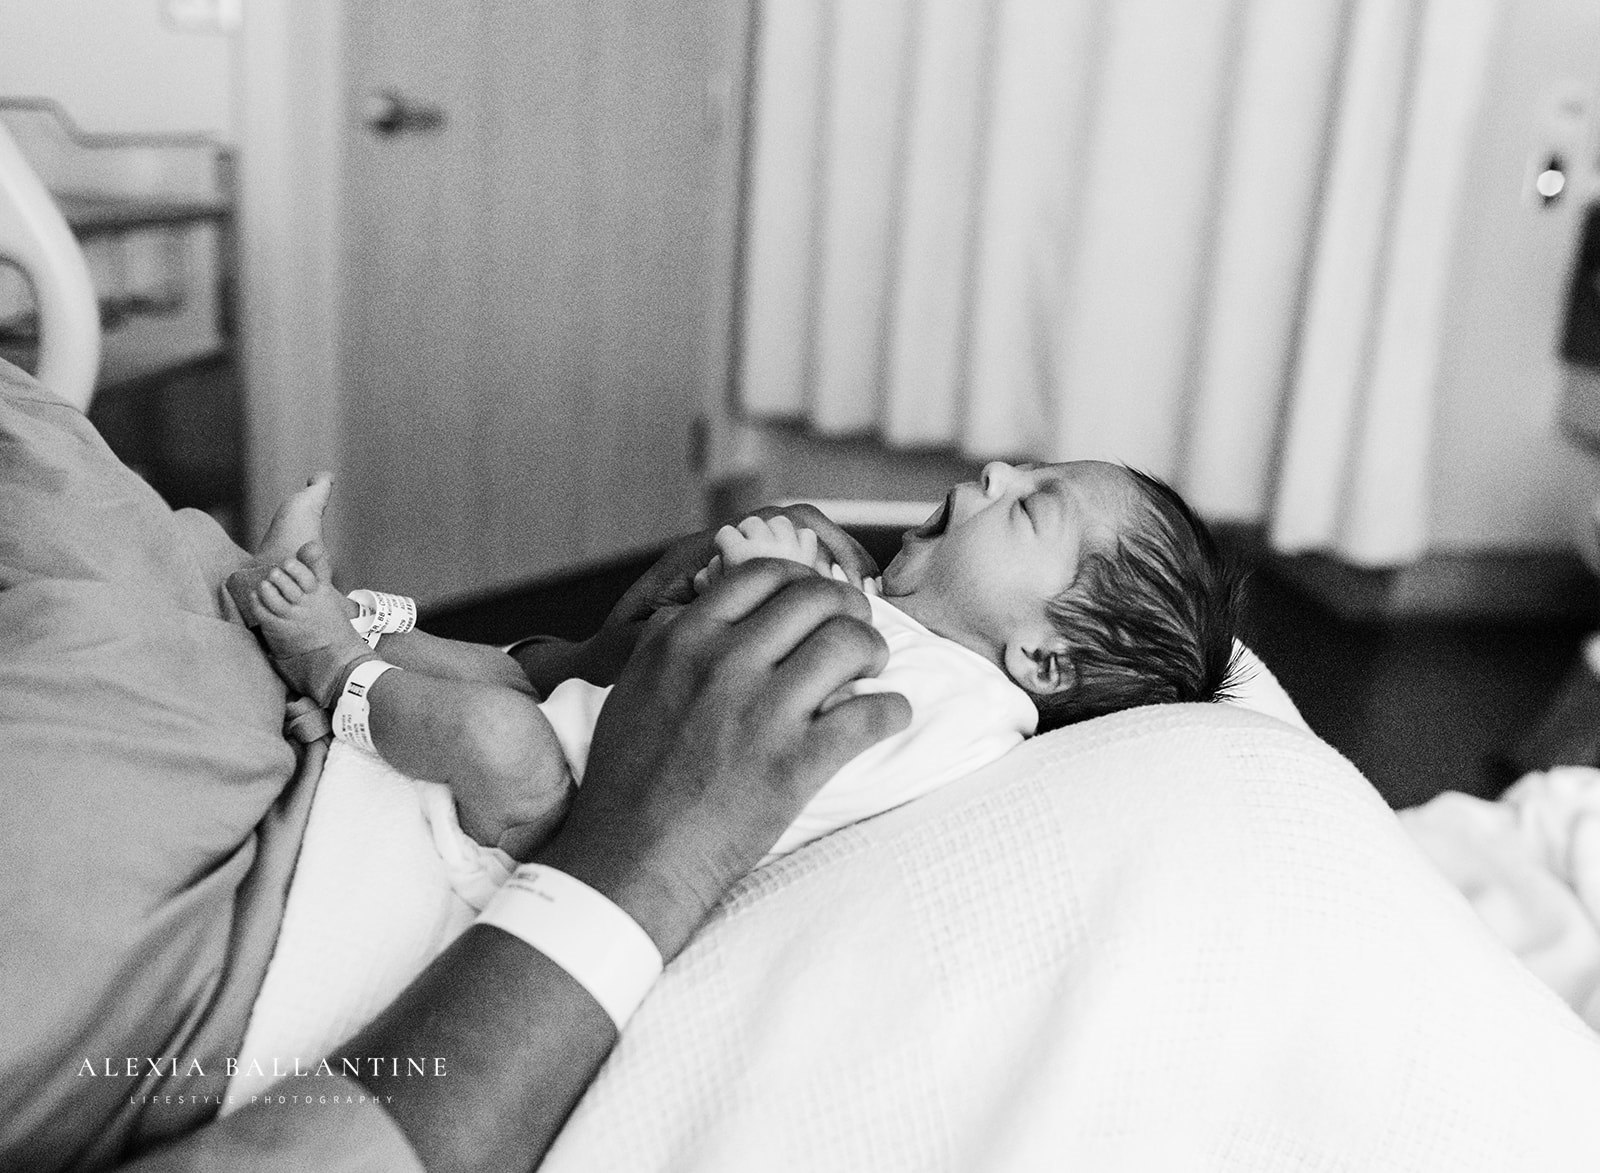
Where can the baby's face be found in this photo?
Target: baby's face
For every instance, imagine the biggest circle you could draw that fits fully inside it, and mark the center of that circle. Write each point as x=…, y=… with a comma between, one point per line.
x=981, y=570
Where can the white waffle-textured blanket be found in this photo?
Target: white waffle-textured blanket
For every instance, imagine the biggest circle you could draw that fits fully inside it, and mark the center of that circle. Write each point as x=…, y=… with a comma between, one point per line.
x=1178, y=938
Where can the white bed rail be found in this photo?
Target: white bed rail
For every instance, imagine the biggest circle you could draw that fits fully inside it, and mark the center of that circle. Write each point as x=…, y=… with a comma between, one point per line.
x=35, y=237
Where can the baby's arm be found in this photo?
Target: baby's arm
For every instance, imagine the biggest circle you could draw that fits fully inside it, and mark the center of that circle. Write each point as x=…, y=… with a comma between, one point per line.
x=759, y=537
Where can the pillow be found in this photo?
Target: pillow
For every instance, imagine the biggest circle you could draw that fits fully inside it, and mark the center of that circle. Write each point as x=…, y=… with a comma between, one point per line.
x=142, y=748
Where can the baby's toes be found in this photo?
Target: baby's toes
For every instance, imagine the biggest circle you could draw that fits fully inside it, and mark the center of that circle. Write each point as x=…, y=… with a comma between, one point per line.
x=304, y=577
x=269, y=598
x=287, y=587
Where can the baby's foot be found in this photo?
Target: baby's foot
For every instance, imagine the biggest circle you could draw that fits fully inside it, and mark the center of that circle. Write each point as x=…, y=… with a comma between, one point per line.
x=306, y=624
x=297, y=521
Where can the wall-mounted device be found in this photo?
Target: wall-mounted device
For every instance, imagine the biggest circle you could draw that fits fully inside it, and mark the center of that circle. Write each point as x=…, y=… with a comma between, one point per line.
x=1562, y=157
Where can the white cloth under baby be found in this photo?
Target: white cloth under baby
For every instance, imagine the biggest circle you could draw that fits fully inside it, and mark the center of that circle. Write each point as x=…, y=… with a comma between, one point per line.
x=372, y=903
x=1529, y=864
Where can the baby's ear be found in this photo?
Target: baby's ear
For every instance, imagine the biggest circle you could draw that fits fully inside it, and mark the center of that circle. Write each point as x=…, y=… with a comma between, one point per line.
x=1044, y=668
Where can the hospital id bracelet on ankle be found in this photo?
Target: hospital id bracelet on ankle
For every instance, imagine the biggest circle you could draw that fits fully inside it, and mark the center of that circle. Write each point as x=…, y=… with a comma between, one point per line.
x=382, y=614
x=600, y=946
x=352, y=715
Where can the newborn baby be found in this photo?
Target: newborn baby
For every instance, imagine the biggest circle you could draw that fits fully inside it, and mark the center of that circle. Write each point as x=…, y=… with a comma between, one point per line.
x=1036, y=596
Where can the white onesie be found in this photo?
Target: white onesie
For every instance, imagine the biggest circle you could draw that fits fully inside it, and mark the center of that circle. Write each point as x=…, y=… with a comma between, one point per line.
x=965, y=713
x=386, y=877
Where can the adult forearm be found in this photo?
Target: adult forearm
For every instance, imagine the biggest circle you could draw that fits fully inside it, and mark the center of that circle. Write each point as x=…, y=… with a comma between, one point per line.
x=519, y=1037
x=519, y=1041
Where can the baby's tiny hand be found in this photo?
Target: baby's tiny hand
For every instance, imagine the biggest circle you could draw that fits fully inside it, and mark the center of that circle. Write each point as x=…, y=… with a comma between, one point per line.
x=758, y=537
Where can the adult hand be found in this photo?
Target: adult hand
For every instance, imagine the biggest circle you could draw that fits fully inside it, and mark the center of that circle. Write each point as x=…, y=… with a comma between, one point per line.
x=714, y=740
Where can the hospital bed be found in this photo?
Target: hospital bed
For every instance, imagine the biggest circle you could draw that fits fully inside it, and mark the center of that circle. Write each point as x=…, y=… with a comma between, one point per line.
x=1186, y=937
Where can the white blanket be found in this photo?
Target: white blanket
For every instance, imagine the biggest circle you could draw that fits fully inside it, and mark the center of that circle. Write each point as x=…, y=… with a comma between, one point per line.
x=1529, y=864
x=1179, y=938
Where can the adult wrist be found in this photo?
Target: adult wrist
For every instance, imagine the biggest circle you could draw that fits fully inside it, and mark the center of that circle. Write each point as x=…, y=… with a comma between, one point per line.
x=669, y=912
x=583, y=931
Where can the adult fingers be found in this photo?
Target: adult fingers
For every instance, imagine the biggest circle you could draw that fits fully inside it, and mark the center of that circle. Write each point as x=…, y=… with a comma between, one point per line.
x=849, y=729
x=746, y=589
x=667, y=581
x=771, y=633
x=802, y=613
x=807, y=539
x=835, y=652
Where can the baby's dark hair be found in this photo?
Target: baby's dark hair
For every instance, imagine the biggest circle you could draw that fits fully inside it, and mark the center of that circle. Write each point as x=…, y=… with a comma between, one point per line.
x=1150, y=616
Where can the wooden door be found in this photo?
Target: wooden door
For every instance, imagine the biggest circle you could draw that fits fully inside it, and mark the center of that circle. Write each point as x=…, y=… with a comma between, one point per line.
x=529, y=285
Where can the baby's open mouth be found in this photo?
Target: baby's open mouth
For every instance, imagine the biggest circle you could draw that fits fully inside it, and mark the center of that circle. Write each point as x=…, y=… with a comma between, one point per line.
x=936, y=524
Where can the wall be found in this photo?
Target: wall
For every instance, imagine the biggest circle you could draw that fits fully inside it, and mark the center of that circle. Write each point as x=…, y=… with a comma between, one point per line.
x=117, y=66
x=291, y=113
x=1503, y=474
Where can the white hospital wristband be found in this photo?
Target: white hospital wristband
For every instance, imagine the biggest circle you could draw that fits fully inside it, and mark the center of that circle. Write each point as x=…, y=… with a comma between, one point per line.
x=382, y=614
x=600, y=946
x=352, y=715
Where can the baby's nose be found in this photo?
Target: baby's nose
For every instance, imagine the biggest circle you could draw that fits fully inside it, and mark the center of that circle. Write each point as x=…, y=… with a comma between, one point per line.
x=996, y=476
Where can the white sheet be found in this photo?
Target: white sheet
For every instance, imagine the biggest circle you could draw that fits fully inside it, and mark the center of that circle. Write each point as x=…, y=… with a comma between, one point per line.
x=1178, y=938
x=371, y=905
x=1529, y=864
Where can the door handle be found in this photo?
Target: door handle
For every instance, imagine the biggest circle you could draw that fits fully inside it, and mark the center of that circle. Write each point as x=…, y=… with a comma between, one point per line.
x=388, y=113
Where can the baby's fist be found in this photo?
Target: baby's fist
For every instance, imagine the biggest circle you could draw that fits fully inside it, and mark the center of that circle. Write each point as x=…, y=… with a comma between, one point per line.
x=758, y=537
